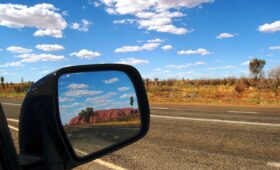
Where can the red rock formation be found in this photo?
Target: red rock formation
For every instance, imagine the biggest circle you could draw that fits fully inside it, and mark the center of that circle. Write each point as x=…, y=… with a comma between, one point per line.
x=105, y=115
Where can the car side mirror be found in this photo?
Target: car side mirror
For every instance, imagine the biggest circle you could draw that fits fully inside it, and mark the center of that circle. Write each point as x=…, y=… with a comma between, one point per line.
x=77, y=114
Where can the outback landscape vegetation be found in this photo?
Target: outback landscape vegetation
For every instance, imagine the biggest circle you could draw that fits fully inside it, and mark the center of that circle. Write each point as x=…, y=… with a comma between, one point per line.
x=260, y=88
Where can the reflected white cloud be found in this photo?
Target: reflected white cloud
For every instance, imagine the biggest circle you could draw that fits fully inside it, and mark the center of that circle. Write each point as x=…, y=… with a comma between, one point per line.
x=111, y=81
x=123, y=88
x=77, y=86
x=80, y=93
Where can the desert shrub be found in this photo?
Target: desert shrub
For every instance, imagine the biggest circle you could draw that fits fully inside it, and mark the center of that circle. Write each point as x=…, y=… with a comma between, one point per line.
x=264, y=84
x=239, y=87
x=245, y=82
x=274, y=76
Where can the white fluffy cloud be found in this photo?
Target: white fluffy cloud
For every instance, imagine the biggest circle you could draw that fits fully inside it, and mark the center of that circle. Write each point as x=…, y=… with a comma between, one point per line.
x=49, y=47
x=65, y=99
x=273, y=27
x=17, y=49
x=48, y=32
x=128, y=95
x=225, y=35
x=13, y=64
x=199, y=51
x=135, y=6
x=245, y=63
x=186, y=65
x=74, y=86
x=132, y=61
x=275, y=47
x=156, y=40
x=144, y=47
x=43, y=16
x=160, y=22
x=102, y=100
x=166, y=47
x=85, y=54
x=81, y=93
x=155, y=15
x=83, y=26
x=123, y=88
x=111, y=81
x=68, y=106
x=32, y=58
x=161, y=25
x=125, y=21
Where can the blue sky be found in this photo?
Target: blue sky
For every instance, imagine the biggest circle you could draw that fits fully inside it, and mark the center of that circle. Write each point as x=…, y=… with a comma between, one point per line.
x=161, y=38
x=100, y=90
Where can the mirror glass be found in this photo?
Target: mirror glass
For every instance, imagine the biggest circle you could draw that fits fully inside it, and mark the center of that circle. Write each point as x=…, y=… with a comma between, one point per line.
x=97, y=109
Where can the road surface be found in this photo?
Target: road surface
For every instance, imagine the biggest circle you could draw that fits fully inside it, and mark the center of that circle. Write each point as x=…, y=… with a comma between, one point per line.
x=197, y=137
x=82, y=137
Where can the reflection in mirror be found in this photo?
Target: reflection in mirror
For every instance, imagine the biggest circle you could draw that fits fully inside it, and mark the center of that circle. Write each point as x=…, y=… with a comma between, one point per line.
x=97, y=109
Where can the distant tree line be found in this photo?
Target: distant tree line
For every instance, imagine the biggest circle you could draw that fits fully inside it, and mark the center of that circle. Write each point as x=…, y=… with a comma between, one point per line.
x=15, y=87
x=258, y=79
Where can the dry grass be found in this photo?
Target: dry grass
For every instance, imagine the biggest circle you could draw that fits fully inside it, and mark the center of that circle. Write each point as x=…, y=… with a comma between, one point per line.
x=14, y=89
x=231, y=91
x=241, y=91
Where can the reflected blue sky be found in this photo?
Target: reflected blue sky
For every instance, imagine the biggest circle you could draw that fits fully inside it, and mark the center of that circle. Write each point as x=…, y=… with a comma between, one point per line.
x=100, y=90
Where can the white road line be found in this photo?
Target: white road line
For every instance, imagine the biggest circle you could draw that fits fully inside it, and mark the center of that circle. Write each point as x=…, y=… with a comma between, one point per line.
x=99, y=161
x=13, y=120
x=12, y=104
x=109, y=165
x=13, y=127
x=273, y=164
x=242, y=112
x=218, y=121
x=165, y=108
x=160, y=108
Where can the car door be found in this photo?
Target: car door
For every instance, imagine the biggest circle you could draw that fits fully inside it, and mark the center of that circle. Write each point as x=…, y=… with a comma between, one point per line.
x=2, y=157
x=8, y=156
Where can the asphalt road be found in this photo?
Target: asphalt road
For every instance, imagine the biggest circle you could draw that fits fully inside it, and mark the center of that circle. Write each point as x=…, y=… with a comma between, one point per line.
x=199, y=137
x=82, y=137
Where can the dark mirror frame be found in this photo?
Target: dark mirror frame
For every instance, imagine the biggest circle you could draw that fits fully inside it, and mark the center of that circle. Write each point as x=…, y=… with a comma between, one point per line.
x=143, y=105
x=42, y=140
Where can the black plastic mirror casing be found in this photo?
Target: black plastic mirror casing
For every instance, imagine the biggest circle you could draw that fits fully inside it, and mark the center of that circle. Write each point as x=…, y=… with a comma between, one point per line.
x=42, y=140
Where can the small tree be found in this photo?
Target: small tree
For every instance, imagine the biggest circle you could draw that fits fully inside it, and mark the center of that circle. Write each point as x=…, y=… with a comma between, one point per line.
x=147, y=82
x=131, y=101
x=2, y=81
x=274, y=75
x=256, y=67
x=86, y=114
x=156, y=81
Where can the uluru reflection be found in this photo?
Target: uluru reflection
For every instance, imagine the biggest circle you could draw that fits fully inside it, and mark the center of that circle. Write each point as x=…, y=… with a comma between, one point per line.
x=106, y=117
x=97, y=109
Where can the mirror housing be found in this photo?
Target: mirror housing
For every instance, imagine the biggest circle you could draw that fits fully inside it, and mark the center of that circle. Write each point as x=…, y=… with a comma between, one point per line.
x=42, y=140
